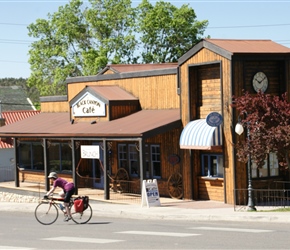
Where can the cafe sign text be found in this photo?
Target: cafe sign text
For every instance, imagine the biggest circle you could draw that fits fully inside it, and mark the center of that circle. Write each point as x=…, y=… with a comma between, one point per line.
x=88, y=105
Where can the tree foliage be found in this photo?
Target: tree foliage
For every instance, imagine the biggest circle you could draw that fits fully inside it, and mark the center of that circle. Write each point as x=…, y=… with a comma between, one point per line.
x=267, y=118
x=80, y=40
x=166, y=31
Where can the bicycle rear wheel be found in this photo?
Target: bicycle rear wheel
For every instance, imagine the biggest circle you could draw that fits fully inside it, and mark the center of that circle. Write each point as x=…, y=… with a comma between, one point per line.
x=81, y=217
x=46, y=213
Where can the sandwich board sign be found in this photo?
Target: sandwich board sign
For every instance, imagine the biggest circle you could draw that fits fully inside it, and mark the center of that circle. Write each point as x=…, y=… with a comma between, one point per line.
x=150, y=193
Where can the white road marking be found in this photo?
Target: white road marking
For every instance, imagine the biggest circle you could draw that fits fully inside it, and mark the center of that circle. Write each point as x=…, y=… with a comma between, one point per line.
x=84, y=240
x=228, y=229
x=16, y=248
x=158, y=233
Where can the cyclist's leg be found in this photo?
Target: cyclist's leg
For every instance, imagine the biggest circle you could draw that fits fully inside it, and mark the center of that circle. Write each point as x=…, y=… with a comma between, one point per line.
x=66, y=200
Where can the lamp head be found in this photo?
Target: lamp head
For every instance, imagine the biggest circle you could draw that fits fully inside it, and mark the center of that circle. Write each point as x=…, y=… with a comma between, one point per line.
x=239, y=129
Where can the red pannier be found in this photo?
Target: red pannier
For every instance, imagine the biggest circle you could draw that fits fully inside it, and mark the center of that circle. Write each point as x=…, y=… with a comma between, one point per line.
x=81, y=203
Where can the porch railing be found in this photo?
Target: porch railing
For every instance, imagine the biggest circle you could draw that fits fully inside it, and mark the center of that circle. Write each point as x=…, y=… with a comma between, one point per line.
x=263, y=198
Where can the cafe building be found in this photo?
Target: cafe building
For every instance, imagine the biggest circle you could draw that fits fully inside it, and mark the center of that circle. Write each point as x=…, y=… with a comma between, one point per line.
x=172, y=122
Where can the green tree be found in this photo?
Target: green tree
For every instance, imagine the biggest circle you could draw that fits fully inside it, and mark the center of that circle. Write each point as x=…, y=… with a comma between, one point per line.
x=112, y=24
x=80, y=41
x=268, y=119
x=57, y=54
x=167, y=32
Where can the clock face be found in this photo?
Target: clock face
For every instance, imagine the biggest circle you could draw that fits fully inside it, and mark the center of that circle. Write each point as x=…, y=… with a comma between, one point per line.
x=260, y=82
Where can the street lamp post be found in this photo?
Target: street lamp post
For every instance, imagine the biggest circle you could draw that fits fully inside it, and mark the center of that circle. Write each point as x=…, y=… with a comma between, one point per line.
x=251, y=206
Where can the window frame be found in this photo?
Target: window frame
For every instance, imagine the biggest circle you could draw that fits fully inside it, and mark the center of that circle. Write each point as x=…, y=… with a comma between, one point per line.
x=208, y=168
x=129, y=156
x=271, y=163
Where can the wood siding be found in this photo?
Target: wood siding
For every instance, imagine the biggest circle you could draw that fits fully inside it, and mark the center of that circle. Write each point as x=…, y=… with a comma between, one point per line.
x=211, y=189
x=55, y=107
x=217, y=89
x=155, y=92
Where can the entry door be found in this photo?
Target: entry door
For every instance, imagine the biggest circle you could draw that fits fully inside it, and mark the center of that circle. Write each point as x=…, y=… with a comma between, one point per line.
x=98, y=171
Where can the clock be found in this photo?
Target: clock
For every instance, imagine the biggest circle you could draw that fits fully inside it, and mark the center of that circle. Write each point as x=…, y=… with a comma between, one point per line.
x=260, y=82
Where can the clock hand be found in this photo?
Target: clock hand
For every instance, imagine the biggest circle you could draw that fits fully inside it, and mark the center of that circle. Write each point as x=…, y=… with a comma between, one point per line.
x=261, y=80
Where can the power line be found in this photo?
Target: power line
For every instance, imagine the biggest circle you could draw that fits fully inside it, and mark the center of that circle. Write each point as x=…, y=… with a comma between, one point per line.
x=249, y=26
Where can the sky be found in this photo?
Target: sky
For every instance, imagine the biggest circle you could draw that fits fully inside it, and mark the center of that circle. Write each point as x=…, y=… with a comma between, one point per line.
x=228, y=19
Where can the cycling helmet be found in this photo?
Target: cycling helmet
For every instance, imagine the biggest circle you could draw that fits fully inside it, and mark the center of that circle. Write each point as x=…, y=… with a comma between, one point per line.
x=52, y=175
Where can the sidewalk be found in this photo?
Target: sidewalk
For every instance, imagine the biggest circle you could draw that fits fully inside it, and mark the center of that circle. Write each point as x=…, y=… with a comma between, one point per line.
x=170, y=209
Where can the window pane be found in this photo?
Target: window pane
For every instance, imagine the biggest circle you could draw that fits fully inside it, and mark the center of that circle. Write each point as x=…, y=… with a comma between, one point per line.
x=134, y=167
x=54, y=157
x=38, y=159
x=66, y=157
x=155, y=161
x=205, y=164
x=25, y=156
x=122, y=156
x=273, y=164
x=220, y=163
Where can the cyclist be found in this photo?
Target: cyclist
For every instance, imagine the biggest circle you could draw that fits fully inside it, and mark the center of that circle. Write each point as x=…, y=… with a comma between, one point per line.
x=68, y=189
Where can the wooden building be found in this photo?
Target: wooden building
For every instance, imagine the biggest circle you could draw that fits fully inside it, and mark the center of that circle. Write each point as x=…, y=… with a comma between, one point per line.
x=152, y=120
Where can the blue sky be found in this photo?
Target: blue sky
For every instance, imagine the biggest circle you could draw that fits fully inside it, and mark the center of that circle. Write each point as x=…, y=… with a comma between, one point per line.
x=227, y=20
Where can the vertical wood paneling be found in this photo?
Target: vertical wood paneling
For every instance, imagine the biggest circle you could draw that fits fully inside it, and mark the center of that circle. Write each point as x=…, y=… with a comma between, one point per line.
x=154, y=92
x=54, y=107
x=225, y=99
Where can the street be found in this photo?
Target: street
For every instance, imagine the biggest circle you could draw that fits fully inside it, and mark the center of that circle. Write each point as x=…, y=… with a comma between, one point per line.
x=20, y=230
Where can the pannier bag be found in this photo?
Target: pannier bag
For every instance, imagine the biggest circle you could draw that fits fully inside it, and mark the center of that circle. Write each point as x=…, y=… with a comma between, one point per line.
x=81, y=203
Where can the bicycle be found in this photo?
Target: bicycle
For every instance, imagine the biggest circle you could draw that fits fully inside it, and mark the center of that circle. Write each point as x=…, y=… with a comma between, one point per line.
x=47, y=211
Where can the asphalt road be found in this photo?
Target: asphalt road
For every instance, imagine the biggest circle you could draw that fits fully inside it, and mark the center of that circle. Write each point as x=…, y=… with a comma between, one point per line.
x=20, y=230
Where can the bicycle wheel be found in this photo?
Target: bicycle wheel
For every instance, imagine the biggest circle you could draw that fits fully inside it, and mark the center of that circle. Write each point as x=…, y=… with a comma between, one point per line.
x=81, y=217
x=46, y=213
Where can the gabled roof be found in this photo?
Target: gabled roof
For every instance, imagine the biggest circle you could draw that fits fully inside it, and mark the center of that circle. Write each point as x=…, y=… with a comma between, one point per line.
x=145, y=123
x=14, y=98
x=106, y=94
x=230, y=47
x=12, y=117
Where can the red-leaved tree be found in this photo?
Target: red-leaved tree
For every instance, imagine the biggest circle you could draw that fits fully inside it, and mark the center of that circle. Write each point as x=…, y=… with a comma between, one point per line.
x=267, y=119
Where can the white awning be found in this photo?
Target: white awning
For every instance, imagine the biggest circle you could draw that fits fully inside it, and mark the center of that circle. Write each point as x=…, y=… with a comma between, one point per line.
x=198, y=134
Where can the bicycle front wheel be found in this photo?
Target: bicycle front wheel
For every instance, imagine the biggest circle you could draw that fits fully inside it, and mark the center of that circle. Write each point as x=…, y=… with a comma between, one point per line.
x=46, y=213
x=81, y=217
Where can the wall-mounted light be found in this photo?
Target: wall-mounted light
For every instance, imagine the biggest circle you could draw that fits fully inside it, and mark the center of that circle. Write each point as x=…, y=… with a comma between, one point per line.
x=239, y=129
x=93, y=122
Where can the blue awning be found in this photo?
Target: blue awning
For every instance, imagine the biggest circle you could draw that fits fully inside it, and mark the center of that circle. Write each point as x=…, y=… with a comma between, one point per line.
x=198, y=134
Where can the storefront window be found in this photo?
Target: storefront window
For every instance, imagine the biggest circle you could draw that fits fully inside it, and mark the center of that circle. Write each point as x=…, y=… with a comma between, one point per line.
x=212, y=165
x=31, y=156
x=60, y=157
x=270, y=167
x=128, y=158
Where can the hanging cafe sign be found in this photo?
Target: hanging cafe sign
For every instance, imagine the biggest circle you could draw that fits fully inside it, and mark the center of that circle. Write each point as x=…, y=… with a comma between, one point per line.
x=88, y=105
